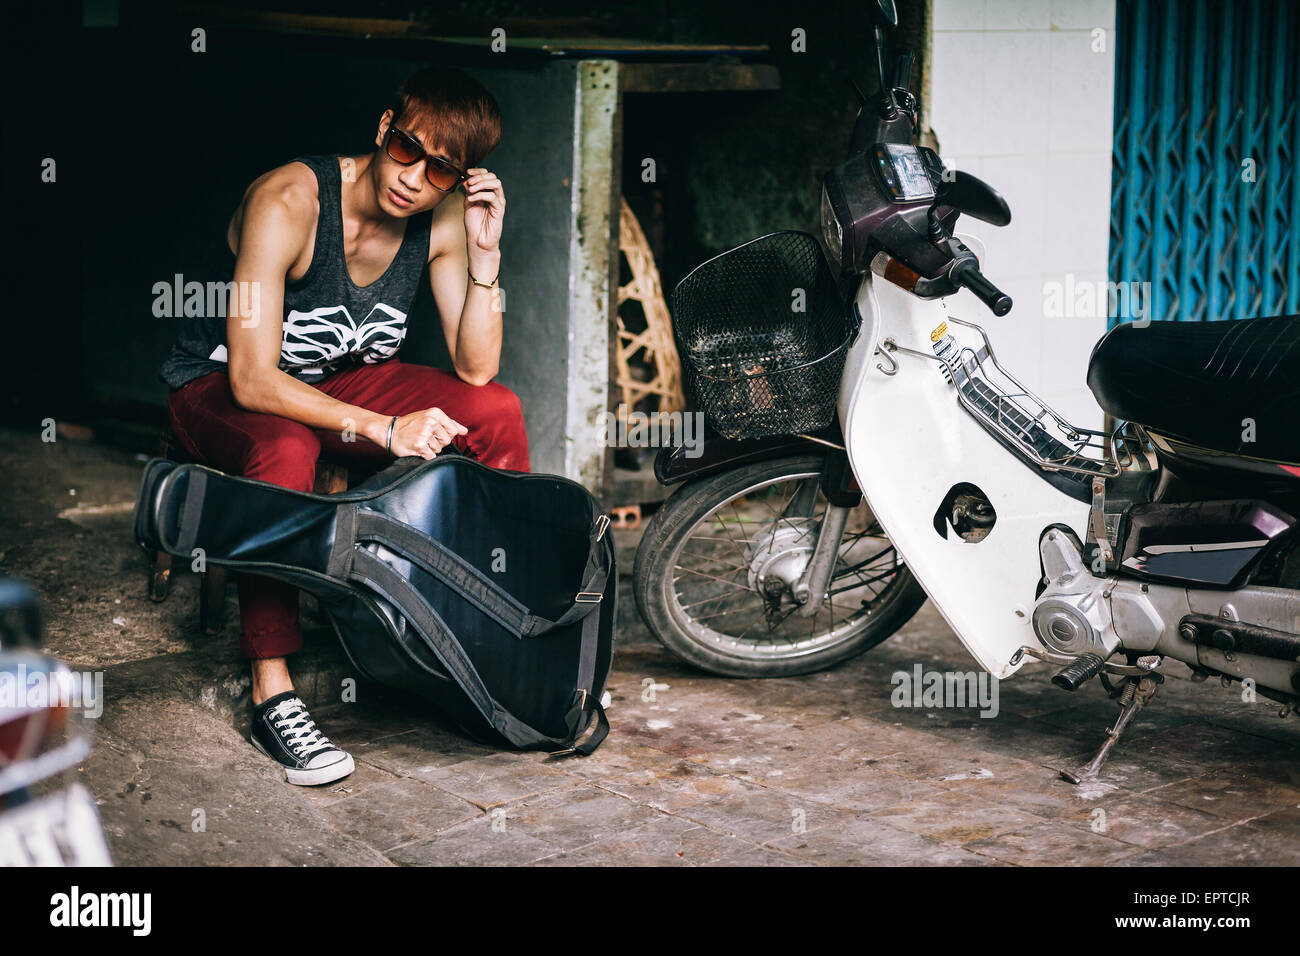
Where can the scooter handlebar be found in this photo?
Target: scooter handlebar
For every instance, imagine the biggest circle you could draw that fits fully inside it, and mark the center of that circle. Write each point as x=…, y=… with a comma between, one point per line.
x=966, y=272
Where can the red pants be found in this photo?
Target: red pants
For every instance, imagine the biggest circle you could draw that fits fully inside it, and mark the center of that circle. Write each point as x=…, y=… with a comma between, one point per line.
x=283, y=452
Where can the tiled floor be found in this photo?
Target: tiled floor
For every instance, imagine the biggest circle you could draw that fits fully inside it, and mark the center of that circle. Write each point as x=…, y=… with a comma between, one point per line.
x=803, y=771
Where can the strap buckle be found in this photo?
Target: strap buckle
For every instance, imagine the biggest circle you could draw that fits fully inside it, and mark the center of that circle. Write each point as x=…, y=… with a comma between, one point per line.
x=602, y=523
x=588, y=597
x=581, y=708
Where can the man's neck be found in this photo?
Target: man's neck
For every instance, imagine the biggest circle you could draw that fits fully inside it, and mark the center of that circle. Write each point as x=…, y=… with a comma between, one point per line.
x=359, y=198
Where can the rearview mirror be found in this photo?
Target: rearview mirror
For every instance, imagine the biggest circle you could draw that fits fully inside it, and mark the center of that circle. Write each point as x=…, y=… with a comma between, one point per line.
x=884, y=16
x=884, y=13
x=973, y=196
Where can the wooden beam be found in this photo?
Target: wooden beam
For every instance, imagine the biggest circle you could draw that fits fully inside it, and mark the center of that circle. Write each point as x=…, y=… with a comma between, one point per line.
x=534, y=34
x=270, y=19
x=699, y=77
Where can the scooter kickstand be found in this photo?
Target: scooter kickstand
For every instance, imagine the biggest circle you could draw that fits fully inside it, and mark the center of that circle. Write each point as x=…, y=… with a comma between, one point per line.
x=1137, y=693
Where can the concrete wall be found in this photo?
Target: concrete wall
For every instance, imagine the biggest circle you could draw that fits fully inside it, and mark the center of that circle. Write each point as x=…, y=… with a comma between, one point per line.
x=1021, y=96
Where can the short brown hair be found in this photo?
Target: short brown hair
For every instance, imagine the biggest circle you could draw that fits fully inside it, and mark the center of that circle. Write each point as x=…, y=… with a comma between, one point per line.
x=452, y=108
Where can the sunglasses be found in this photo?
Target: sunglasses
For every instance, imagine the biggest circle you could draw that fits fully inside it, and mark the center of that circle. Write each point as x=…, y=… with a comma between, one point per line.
x=403, y=149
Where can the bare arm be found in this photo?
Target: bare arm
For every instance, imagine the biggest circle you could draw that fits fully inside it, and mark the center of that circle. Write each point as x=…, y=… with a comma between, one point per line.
x=272, y=235
x=471, y=314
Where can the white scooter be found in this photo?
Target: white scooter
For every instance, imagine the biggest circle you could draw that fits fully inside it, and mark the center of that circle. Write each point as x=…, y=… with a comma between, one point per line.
x=47, y=818
x=1102, y=553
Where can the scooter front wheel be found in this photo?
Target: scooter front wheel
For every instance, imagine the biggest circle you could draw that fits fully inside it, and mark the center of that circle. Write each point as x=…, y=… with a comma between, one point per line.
x=715, y=574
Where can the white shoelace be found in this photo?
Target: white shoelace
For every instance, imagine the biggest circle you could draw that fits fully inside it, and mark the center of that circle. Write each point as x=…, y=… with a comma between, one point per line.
x=298, y=730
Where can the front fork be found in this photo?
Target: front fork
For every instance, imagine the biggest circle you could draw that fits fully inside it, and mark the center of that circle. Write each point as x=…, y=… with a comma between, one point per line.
x=817, y=576
x=842, y=496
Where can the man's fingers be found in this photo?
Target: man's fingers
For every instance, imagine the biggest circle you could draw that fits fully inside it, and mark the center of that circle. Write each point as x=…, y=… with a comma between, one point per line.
x=429, y=447
x=439, y=429
x=429, y=433
x=418, y=448
x=448, y=422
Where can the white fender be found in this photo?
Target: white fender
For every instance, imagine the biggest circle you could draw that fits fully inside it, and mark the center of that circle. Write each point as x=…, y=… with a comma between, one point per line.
x=909, y=442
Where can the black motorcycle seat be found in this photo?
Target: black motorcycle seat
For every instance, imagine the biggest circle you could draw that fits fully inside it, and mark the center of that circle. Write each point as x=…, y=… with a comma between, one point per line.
x=1204, y=383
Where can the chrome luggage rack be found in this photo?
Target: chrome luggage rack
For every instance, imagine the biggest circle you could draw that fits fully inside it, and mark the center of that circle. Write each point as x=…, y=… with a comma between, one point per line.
x=1027, y=424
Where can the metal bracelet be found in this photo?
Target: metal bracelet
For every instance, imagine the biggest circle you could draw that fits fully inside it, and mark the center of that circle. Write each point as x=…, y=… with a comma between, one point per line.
x=486, y=285
x=388, y=445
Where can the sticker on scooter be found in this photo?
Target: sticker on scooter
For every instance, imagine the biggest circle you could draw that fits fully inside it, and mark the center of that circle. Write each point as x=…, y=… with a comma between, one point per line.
x=945, y=347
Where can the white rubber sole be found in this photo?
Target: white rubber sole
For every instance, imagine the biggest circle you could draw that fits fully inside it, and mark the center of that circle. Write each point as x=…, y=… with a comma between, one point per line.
x=317, y=775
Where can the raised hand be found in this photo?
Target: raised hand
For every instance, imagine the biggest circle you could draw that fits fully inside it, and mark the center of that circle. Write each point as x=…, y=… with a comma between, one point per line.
x=485, y=209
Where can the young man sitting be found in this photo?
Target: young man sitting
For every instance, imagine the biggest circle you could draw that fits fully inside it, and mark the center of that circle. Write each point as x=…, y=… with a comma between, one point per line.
x=334, y=247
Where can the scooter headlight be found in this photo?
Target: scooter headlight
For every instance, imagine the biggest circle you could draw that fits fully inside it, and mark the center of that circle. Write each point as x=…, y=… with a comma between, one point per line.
x=853, y=204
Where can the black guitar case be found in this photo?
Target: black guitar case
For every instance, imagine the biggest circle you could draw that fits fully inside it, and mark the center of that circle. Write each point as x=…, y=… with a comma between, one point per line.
x=489, y=593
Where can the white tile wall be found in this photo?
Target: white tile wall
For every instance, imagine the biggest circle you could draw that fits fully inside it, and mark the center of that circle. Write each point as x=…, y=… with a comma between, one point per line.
x=1020, y=98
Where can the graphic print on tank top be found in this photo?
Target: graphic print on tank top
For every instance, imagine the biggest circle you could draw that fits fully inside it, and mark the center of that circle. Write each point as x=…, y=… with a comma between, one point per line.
x=321, y=337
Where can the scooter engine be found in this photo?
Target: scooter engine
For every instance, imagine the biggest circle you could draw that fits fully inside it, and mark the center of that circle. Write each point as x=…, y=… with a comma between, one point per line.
x=1071, y=616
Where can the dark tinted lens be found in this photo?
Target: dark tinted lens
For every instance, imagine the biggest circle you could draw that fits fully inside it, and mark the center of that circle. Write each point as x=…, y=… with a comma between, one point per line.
x=403, y=149
x=441, y=175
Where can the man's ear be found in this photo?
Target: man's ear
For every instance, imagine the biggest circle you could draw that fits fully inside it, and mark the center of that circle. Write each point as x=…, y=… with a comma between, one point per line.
x=384, y=122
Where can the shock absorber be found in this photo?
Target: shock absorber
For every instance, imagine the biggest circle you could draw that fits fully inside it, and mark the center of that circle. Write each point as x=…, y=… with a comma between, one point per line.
x=812, y=586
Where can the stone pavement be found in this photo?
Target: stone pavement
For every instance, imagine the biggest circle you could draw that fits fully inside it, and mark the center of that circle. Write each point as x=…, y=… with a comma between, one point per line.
x=817, y=770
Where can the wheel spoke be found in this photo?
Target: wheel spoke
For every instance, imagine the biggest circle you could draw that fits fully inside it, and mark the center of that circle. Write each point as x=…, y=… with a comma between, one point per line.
x=696, y=554
x=713, y=614
x=727, y=532
x=739, y=550
x=864, y=562
x=864, y=583
x=771, y=540
x=714, y=577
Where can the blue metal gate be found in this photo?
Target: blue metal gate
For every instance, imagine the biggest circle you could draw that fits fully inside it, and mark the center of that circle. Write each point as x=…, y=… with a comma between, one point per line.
x=1205, y=197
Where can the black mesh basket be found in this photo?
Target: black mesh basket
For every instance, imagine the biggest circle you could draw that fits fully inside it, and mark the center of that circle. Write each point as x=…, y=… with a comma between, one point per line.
x=753, y=364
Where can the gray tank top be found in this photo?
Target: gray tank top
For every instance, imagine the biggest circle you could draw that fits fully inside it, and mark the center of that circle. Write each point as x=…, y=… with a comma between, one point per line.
x=329, y=321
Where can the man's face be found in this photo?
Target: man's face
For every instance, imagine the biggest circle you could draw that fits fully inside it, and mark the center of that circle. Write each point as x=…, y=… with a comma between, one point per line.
x=404, y=190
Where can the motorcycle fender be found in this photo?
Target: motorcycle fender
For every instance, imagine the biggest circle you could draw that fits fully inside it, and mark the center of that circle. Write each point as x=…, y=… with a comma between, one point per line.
x=910, y=444
x=674, y=465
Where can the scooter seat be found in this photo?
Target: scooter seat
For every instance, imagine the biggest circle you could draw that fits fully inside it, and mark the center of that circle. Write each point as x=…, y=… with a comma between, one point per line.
x=1205, y=383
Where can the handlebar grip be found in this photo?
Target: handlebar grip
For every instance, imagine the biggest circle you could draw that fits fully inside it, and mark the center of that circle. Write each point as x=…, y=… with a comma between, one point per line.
x=967, y=273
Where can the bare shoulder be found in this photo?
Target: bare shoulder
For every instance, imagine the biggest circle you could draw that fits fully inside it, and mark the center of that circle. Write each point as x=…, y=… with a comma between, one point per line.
x=286, y=195
x=447, y=231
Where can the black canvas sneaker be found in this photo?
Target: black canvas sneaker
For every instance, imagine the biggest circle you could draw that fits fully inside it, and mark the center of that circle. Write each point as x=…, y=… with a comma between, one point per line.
x=285, y=732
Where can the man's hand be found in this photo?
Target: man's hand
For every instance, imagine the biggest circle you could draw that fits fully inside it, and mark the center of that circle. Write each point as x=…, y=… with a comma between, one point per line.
x=485, y=209
x=424, y=433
